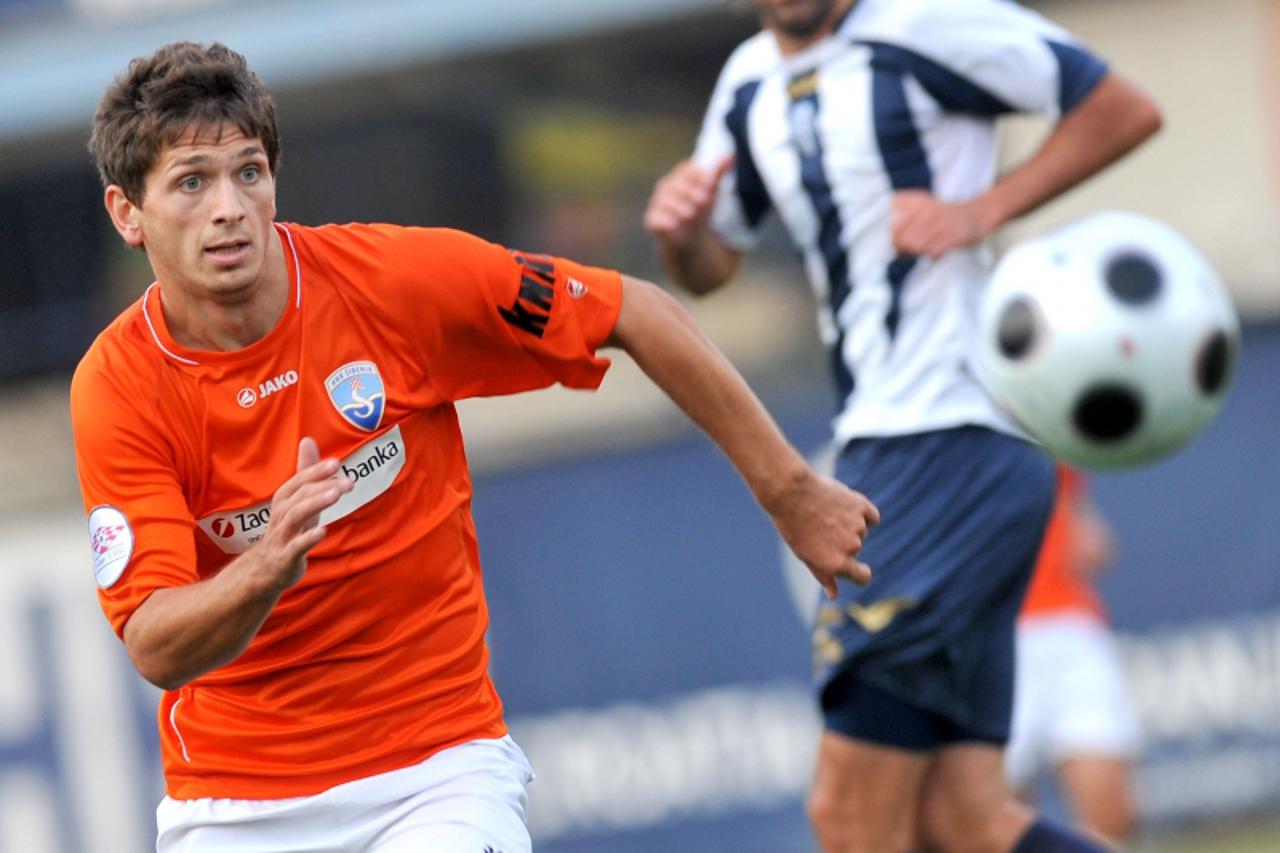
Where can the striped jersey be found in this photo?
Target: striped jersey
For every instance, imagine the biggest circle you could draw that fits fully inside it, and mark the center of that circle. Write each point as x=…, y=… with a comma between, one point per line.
x=904, y=95
x=376, y=658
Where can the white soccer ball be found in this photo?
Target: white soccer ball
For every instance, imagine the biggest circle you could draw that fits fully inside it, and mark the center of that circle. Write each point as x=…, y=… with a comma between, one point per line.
x=1110, y=340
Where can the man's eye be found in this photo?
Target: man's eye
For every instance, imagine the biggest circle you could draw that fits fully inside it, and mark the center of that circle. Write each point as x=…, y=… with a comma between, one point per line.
x=190, y=184
x=250, y=173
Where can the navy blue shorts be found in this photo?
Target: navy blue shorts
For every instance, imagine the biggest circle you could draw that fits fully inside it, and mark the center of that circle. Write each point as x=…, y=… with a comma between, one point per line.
x=963, y=512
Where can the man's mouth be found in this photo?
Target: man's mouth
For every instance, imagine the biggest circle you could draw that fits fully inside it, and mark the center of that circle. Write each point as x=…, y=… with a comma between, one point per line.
x=228, y=253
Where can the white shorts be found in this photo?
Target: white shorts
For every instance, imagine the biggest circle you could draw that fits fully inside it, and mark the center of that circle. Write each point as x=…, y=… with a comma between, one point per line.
x=469, y=798
x=1070, y=697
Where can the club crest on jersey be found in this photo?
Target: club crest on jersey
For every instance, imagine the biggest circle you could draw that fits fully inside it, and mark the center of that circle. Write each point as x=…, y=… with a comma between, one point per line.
x=356, y=391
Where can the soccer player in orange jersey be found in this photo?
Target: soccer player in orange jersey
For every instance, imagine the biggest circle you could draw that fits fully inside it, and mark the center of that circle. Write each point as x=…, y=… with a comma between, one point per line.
x=278, y=498
x=1072, y=713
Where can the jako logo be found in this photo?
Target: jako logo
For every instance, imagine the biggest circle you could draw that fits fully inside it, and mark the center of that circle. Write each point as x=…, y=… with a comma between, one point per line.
x=247, y=396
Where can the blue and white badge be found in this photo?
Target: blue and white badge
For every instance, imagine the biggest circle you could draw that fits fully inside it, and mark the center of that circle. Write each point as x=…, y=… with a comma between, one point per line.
x=356, y=391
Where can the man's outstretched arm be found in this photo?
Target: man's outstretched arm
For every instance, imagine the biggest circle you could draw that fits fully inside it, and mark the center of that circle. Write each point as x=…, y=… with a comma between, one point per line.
x=823, y=521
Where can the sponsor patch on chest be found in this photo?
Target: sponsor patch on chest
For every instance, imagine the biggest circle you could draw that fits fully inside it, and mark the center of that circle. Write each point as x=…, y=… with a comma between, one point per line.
x=373, y=467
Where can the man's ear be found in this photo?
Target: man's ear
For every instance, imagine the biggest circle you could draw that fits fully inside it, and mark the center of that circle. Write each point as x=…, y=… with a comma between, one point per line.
x=124, y=215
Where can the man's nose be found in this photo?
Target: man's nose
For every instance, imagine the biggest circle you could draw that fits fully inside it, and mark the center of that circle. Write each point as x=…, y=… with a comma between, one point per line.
x=228, y=202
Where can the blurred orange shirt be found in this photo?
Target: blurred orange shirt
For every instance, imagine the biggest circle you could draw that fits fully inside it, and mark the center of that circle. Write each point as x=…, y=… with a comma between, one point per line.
x=376, y=658
x=1057, y=585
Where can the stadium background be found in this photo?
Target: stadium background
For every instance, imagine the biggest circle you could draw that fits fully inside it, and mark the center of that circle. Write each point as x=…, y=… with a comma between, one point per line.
x=642, y=635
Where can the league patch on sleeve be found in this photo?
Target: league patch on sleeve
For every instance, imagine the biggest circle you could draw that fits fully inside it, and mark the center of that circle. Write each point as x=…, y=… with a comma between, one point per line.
x=111, y=543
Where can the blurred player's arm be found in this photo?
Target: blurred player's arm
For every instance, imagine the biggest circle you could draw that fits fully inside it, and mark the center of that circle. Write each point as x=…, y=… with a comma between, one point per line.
x=822, y=520
x=1111, y=121
x=180, y=633
x=678, y=216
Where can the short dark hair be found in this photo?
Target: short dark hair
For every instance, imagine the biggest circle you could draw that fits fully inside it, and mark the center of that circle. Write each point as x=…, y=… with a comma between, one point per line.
x=158, y=97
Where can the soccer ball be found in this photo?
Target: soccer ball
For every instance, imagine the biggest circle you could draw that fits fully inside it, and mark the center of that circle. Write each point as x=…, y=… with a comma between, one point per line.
x=1110, y=340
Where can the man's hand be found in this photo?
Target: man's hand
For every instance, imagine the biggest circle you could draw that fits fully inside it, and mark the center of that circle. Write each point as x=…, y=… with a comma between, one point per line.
x=922, y=225
x=679, y=216
x=182, y=632
x=825, y=523
x=294, y=526
x=681, y=204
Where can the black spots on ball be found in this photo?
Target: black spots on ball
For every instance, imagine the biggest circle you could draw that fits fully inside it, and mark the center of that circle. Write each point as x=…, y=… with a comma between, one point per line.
x=1017, y=329
x=1108, y=412
x=1133, y=278
x=1213, y=363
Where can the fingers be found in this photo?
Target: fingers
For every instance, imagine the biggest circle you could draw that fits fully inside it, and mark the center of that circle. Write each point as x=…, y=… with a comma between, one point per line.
x=848, y=567
x=924, y=226
x=294, y=528
x=295, y=521
x=915, y=222
x=308, y=453
x=314, y=488
x=722, y=168
x=314, y=498
x=301, y=544
x=860, y=509
x=826, y=523
x=853, y=569
x=858, y=572
x=680, y=206
x=683, y=199
x=695, y=182
x=311, y=469
x=302, y=512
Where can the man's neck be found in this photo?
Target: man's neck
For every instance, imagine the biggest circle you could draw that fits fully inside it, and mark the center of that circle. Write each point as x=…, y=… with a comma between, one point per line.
x=226, y=324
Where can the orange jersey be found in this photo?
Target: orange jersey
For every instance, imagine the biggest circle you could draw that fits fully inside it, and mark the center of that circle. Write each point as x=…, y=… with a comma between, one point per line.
x=376, y=658
x=1057, y=585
